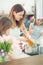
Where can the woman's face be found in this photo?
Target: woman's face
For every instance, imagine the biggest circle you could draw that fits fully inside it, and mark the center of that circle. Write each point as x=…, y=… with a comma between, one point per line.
x=18, y=16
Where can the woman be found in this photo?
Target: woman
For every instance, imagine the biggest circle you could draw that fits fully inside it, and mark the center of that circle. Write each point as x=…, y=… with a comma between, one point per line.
x=17, y=15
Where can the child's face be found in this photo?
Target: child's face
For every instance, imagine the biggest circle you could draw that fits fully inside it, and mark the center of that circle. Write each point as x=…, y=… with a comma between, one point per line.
x=38, y=22
x=7, y=32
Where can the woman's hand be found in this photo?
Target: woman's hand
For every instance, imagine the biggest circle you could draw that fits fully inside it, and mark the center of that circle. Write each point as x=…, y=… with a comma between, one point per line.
x=27, y=36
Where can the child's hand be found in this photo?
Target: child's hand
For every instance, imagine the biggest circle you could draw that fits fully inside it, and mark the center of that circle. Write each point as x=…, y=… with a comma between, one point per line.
x=40, y=34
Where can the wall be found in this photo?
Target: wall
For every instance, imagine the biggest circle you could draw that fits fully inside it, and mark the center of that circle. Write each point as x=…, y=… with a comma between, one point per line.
x=39, y=9
x=5, y=5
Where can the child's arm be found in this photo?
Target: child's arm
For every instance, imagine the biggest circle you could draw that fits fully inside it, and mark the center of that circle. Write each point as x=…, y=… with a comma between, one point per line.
x=31, y=30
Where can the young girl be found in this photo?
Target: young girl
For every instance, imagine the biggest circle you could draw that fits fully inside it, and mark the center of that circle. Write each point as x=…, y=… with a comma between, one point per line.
x=36, y=29
x=5, y=24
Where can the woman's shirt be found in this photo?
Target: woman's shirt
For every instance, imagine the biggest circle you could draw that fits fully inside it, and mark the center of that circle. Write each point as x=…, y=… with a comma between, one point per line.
x=15, y=32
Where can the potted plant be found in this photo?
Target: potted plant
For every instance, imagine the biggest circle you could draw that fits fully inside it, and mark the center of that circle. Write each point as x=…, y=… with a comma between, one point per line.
x=5, y=47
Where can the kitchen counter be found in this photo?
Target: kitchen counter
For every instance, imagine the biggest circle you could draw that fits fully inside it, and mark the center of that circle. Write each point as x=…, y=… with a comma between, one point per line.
x=33, y=60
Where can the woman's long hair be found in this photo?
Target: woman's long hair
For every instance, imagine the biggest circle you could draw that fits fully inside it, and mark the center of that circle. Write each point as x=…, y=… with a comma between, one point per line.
x=17, y=8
